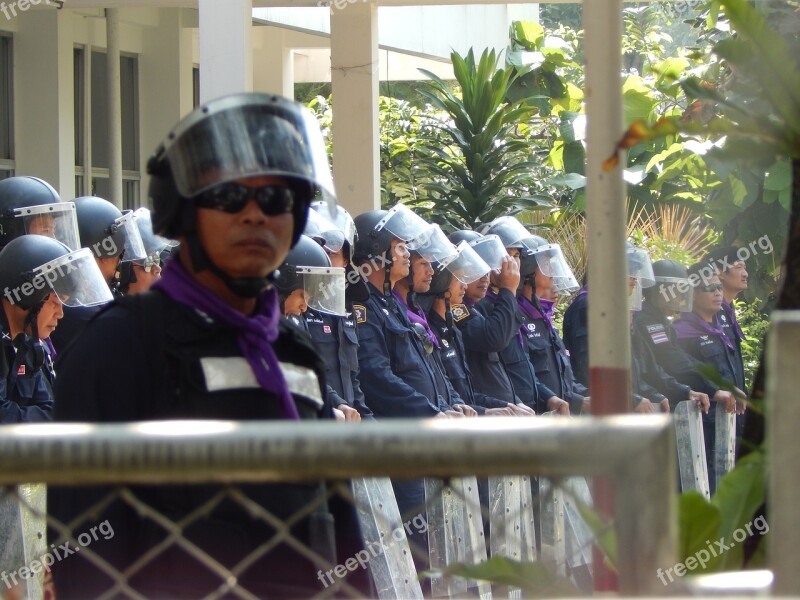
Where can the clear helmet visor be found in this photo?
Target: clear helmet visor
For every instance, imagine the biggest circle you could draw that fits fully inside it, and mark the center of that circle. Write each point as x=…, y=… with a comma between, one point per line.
x=676, y=292
x=466, y=265
x=343, y=221
x=75, y=278
x=324, y=288
x=58, y=221
x=126, y=232
x=324, y=231
x=248, y=135
x=490, y=248
x=402, y=223
x=513, y=233
x=639, y=266
x=432, y=244
x=153, y=244
x=635, y=296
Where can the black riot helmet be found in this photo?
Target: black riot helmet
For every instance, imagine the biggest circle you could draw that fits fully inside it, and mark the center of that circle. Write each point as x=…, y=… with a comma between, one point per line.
x=31, y=205
x=107, y=231
x=371, y=243
x=32, y=266
x=230, y=138
x=308, y=267
x=527, y=257
x=672, y=285
x=464, y=235
x=509, y=230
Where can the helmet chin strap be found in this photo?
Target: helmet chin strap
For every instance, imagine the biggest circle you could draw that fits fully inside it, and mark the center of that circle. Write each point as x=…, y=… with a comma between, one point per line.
x=30, y=346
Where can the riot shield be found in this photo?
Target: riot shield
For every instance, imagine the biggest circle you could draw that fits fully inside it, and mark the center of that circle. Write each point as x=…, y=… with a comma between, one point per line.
x=691, y=448
x=724, y=443
x=23, y=533
x=389, y=557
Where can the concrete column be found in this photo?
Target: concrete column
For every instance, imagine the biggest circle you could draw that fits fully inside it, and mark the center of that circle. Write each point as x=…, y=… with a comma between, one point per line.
x=166, y=58
x=354, y=82
x=114, y=99
x=273, y=62
x=44, y=129
x=783, y=381
x=226, y=55
x=609, y=341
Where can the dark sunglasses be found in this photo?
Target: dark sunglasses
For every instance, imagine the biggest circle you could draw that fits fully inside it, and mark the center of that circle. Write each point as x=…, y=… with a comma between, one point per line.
x=233, y=197
x=711, y=287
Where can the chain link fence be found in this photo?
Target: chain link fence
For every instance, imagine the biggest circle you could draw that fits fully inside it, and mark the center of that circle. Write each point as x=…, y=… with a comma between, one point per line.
x=416, y=504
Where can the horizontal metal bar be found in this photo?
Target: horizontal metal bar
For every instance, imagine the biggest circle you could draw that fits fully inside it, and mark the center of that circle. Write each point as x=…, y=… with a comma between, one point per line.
x=226, y=451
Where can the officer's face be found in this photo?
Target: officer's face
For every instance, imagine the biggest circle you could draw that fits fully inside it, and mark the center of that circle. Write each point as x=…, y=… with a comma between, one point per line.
x=49, y=315
x=423, y=274
x=246, y=244
x=144, y=278
x=457, y=291
x=338, y=258
x=295, y=303
x=477, y=289
x=42, y=225
x=708, y=297
x=401, y=260
x=735, y=278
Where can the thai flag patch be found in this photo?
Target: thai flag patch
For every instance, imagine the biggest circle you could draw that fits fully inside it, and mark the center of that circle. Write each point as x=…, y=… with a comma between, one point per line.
x=659, y=337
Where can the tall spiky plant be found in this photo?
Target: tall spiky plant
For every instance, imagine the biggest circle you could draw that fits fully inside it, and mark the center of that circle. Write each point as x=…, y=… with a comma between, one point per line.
x=484, y=170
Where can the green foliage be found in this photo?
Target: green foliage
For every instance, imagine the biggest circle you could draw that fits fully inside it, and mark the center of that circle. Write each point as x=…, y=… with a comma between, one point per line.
x=755, y=324
x=475, y=167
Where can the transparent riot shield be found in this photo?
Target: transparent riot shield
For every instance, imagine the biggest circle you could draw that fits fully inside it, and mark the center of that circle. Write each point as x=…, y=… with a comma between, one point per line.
x=23, y=534
x=511, y=522
x=551, y=501
x=455, y=533
x=578, y=536
x=467, y=489
x=724, y=443
x=691, y=447
x=389, y=557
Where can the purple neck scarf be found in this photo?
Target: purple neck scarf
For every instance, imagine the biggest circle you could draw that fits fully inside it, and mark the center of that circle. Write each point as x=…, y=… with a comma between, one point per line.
x=730, y=312
x=256, y=333
x=583, y=292
x=417, y=317
x=530, y=309
x=691, y=325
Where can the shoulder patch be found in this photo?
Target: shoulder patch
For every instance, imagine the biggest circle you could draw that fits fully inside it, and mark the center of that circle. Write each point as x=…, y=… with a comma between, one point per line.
x=360, y=312
x=460, y=312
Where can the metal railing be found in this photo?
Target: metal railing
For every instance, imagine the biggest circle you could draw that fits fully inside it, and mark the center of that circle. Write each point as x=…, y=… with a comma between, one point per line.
x=636, y=452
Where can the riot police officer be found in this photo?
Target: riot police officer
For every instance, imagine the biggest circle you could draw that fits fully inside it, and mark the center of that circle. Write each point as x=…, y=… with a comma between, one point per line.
x=518, y=242
x=31, y=205
x=485, y=336
x=207, y=342
x=138, y=275
x=38, y=275
x=336, y=337
x=112, y=237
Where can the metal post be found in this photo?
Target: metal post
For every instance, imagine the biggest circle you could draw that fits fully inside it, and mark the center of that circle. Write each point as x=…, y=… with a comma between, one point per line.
x=783, y=382
x=114, y=108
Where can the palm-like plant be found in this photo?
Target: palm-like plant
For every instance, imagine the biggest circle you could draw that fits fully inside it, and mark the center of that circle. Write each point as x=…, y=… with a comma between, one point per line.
x=483, y=170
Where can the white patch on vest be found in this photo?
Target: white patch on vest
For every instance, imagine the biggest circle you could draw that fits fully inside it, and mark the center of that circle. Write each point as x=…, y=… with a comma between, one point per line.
x=235, y=373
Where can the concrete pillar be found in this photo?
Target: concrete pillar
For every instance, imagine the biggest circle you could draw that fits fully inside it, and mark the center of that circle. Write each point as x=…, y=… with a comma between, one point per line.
x=609, y=363
x=226, y=55
x=166, y=58
x=44, y=129
x=273, y=62
x=783, y=381
x=354, y=83
x=114, y=99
